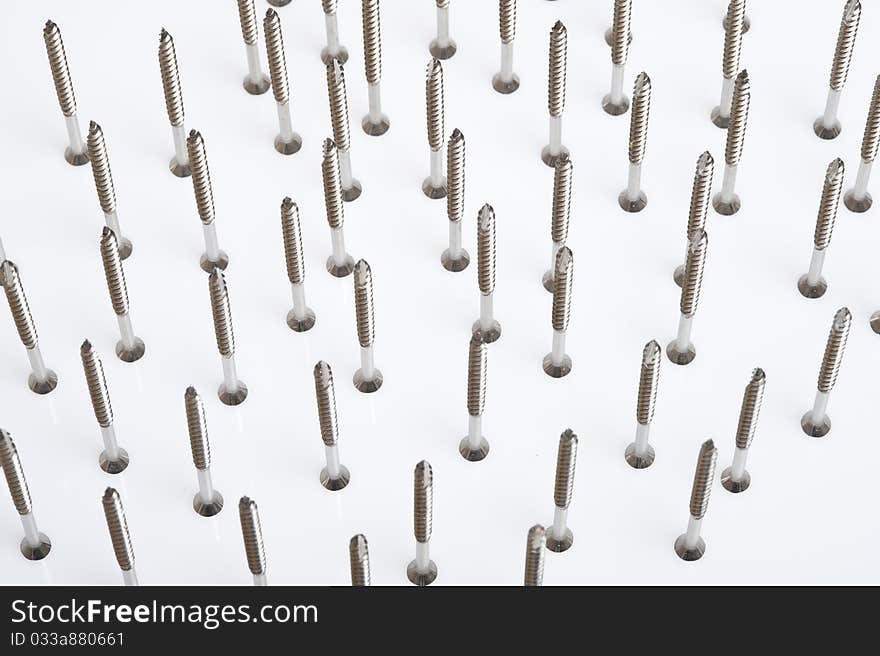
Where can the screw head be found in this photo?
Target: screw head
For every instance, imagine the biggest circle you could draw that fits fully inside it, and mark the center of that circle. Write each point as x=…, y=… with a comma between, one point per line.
x=125, y=248
x=421, y=579
x=815, y=430
x=455, y=265
x=505, y=86
x=442, y=52
x=76, y=159
x=689, y=554
x=680, y=357
x=718, y=120
x=557, y=545
x=208, y=265
x=809, y=290
x=471, y=454
x=615, y=108
x=340, y=55
x=256, y=88
x=875, y=322
x=735, y=486
x=636, y=205
x=826, y=133
x=334, y=484
x=208, y=509
x=547, y=281
x=178, y=169
x=376, y=129
x=726, y=208
x=353, y=192
x=549, y=159
x=288, y=147
x=43, y=386
x=678, y=275
x=340, y=270
x=278, y=3
x=113, y=466
x=131, y=354
x=490, y=335
x=857, y=205
x=232, y=398
x=433, y=192
x=40, y=551
x=301, y=325
x=367, y=385
x=637, y=461
x=556, y=370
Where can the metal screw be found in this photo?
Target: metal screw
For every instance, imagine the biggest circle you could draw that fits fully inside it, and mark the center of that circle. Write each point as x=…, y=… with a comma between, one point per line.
x=368, y=378
x=633, y=199
x=434, y=186
x=858, y=199
x=812, y=284
x=301, y=317
x=828, y=126
x=287, y=142
x=474, y=446
x=734, y=28
x=351, y=188
x=375, y=123
x=130, y=347
x=104, y=185
x=113, y=459
x=232, y=391
x=252, y=532
x=340, y=263
x=747, y=24
x=556, y=93
x=278, y=3
x=616, y=102
x=455, y=258
x=559, y=537
x=875, y=322
x=689, y=545
x=333, y=49
x=208, y=501
x=34, y=545
x=557, y=363
x=334, y=476
x=359, y=560
x=173, y=103
x=423, y=571
x=535, y=543
x=620, y=6
x=201, y=179
x=119, y=537
x=735, y=478
x=816, y=423
x=486, y=324
x=255, y=82
x=727, y=202
x=506, y=81
x=640, y=454
x=699, y=208
x=561, y=210
x=75, y=153
x=442, y=47
x=681, y=350
x=41, y=380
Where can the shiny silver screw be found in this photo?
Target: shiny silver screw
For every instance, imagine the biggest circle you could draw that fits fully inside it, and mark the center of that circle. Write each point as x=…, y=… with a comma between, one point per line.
x=208, y=501
x=255, y=82
x=689, y=545
x=816, y=423
x=278, y=3
x=559, y=537
x=621, y=7
x=858, y=199
x=351, y=188
x=204, y=192
x=681, y=350
x=474, y=446
x=535, y=543
x=130, y=347
x=119, y=536
x=875, y=322
x=506, y=81
x=559, y=216
x=34, y=545
x=556, y=93
x=728, y=202
x=75, y=153
x=812, y=284
x=232, y=391
x=434, y=185
x=301, y=317
x=557, y=363
x=423, y=571
x=699, y=207
x=640, y=454
x=734, y=28
x=442, y=47
x=747, y=24
x=368, y=378
x=359, y=561
x=616, y=102
x=173, y=103
x=104, y=185
x=375, y=123
x=287, y=142
x=334, y=476
x=340, y=263
x=736, y=478
x=633, y=199
x=41, y=380
x=486, y=324
x=828, y=126
x=252, y=532
x=113, y=459
x=333, y=50
x=455, y=258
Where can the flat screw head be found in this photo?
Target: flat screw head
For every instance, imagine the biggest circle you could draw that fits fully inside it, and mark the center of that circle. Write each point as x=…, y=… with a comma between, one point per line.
x=559, y=545
x=824, y=132
x=301, y=325
x=637, y=461
x=232, y=398
x=735, y=486
x=76, y=159
x=505, y=86
x=432, y=192
x=353, y=192
x=338, y=483
x=678, y=356
x=378, y=128
x=340, y=270
x=421, y=579
x=727, y=208
x=40, y=551
x=288, y=147
x=208, y=265
x=556, y=370
x=815, y=430
x=549, y=159
x=132, y=354
x=490, y=335
x=256, y=88
x=340, y=55
x=442, y=52
x=629, y=205
x=684, y=553
x=615, y=108
x=473, y=454
x=43, y=386
x=875, y=322
x=367, y=385
x=718, y=120
x=457, y=264
x=857, y=205
x=678, y=275
x=208, y=509
x=178, y=169
x=113, y=466
x=810, y=290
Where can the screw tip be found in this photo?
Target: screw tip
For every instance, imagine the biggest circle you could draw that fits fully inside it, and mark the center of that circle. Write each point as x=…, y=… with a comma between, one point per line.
x=705, y=162
x=94, y=128
x=110, y=493
x=486, y=217
x=568, y=437
x=85, y=347
x=287, y=203
x=559, y=26
x=758, y=375
x=424, y=473
x=457, y=135
x=190, y=392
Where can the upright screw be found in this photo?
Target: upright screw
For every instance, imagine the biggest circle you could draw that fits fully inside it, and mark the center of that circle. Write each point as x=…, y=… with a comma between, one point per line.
x=681, y=350
x=340, y=263
x=442, y=47
x=535, y=543
x=812, y=284
x=130, y=347
x=747, y=24
x=728, y=202
x=640, y=454
x=734, y=28
x=633, y=199
x=232, y=391
x=359, y=560
x=375, y=123
x=816, y=423
x=255, y=82
x=699, y=208
x=616, y=102
x=557, y=363
x=368, y=378
x=486, y=324
x=252, y=532
x=75, y=153
x=556, y=93
x=208, y=501
x=689, y=545
x=735, y=478
x=506, y=81
x=204, y=192
x=434, y=185
x=474, y=446
x=455, y=258
x=422, y=570
x=334, y=476
x=351, y=188
x=333, y=50
x=104, y=185
x=559, y=537
x=113, y=459
x=34, y=545
x=173, y=103
x=828, y=126
x=119, y=537
x=41, y=380
x=301, y=317
x=858, y=199
x=559, y=215
x=287, y=142
x=620, y=6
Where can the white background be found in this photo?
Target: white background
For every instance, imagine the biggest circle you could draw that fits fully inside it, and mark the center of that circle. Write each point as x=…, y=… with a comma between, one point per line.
x=810, y=514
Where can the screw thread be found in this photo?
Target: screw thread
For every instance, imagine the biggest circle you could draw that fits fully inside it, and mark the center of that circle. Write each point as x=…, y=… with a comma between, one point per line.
x=703, y=477
x=486, y=249
x=101, y=168
x=476, y=383
x=58, y=66
x=566, y=458
x=751, y=408
x=535, y=548
x=455, y=151
x=563, y=279
x=222, y=313
x=507, y=20
x=118, y=527
x=363, y=303
x=170, y=78
x=620, y=31
x=15, y=480
x=831, y=189
x=113, y=271
x=293, y=249
x=693, y=274
x=871, y=139
x=329, y=6
x=649, y=380
x=18, y=305
x=700, y=195
x=201, y=176
x=338, y=105
x=97, y=384
x=247, y=16
x=359, y=559
x=559, y=217
x=325, y=393
x=275, y=56
x=736, y=14
x=423, y=501
x=435, y=104
x=558, y=69
x=443, y=4
x=846, y=40
x=739, y=116
x=252, y=532
x=332, y=185
x=372, y=40
x=834, y=349
x=638, y=125
x=197, y=426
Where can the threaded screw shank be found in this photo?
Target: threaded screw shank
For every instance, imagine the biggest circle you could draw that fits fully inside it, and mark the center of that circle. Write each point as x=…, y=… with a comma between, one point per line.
x=332, y=185
x=201, y=176
x=620, y=31
x=338, y=105
x=563, y=279
x=275, y=56
x=455, y=154
x=649, y=380
x=59, y=68
x=15, y=480
x=170, y=79
x=18, y=305
x=372, y=41
x=197, y=426
x=871, y=138
x=704, y=475
x=739, y=116
x=693, y=275
x=435, y=104
x=247, y=16
x=118, y=527
x=359, y=560
x=113, y=271
x=834, y=349
x=558, y=69
x=423, y=501
x=566, y=458
x=477, y=365
x=293, y=249
x=700, y=195
x=561, y=211
x=252, y=532
x=831, y=189
x=535, y=550
x=507, y=20
x=97, y=384
x=751, y=408
x=638, y=126
x=101, y=168
x=221, y=312
x=486, y=249
x=736, y=14
x=363, y=303
x=325, y=394
x=846, y=41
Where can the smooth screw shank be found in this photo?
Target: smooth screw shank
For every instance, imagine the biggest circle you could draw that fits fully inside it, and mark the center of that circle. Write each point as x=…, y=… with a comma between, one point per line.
x=58, y=66
x=455, y=151
x=359, y=559
x=170, y=78
x=535, y=549
x=693, y=275
x=739, y=116
x=118, y=527
x=566, y=458
x=423, y=501
x=486, y=249
x=477, y=366
x=247, y=16
x=558, y=69
x=834, y=349
x=293, y=249
x=338, y=105
x=101, y=168
x=18, y=305
x=700, y=195
x=222, y=313
x=871, y=138
x=197, y=426
x=562, y=179
x=372, y=41
x=704, y=476
x=736, y=14
x=638, y=126
x=325, y=394
x=113, y=271
x=563, y=279
x=435, y=104
x=252, y=532
x=332, y=185
x=828, y=204
x=98, y=392
x=649, y=380
x=751, y=408
x=15, y=480
x=201, y=176
x=620, y=31
x=846, y=40
x=363, y=303
x=275, y=55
